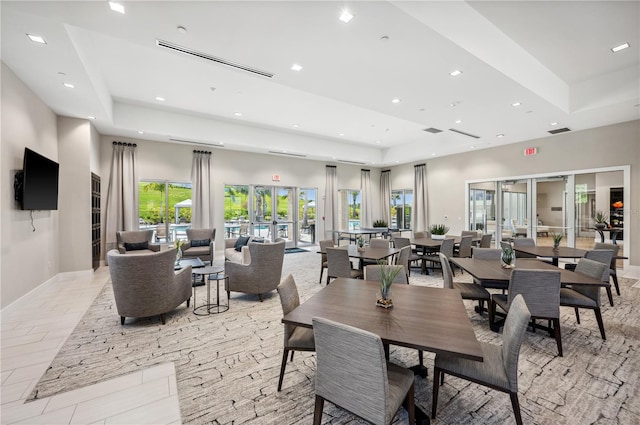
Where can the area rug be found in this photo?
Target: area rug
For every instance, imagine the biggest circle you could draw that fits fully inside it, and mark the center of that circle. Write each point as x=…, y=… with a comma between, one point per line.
x=227, y=365
x=294, y=250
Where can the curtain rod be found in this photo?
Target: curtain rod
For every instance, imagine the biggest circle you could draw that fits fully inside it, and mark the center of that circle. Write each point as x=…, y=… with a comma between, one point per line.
x=331, y=166
x=205, y=152
x=385, y=171
x=420, y=165
x=125, y=144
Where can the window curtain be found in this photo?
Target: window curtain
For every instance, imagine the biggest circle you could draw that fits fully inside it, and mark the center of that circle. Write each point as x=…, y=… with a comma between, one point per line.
x=385, y=196
x=201, y=202
x=331, y=202
x=122, y=194
x=420, y=221
x=366, y=213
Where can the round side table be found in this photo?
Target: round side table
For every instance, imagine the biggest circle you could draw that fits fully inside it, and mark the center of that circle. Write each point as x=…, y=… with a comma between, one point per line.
x=218, y=275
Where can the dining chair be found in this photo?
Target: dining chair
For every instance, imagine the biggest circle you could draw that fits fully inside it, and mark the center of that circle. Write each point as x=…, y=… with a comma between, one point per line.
x=339, y=265
x=296, y=338
x=400, y=243
x=464, y=248
x=446, y=248
x=583, y=296
x=328, y=243
x=613, y=267
x=505, y=244
x=541, y=292
x=403, y=259
x=352, y=373
x=499, y=368
x=603, y=256
x=372, y=272
x=376, y=243
x=468, y=291
x=420, y=235
x=485, y=241
x=489, y=254
x=523, y=242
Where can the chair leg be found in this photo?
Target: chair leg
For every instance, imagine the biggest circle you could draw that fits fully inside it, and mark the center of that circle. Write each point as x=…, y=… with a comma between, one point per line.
x=515, y=405
x=317, y=410
x=609, y=295
x=421, y=357
x=434, y=399
x=411, y=407
x=291, y=359
x=615, y=282
x=481, y=307
x=260, y=296
x=327, y=278
x=282, y=367
x=188, y=301
x=577, y=314
x=600, y=324
x=122, y=320
x=163, y=318
x=492, y=313
x=556, y=329
x=321, y=273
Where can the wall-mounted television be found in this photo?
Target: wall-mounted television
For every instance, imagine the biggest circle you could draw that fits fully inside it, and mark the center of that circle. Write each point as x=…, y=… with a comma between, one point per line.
x=39, y=189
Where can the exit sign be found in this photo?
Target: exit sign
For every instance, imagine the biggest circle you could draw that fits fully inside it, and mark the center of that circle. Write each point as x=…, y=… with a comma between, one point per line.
x=530, y=151
x=275, y=177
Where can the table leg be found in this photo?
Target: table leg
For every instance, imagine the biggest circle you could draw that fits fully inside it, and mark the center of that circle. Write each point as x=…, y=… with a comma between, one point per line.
x=421, y=417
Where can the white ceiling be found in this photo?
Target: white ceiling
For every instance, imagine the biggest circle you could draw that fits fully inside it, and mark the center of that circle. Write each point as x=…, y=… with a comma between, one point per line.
x=553, y=57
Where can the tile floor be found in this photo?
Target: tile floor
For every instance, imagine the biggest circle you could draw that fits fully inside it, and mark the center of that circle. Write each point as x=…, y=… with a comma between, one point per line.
x=35, y=328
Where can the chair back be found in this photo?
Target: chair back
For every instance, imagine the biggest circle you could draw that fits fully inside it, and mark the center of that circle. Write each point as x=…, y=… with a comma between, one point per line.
x=515, y=328
x=420, y=235
x=518, y=242
x=401, y=242
x=289, y=300
x=327, y=243
x=504, y=244
x=594, y=269
x=379, y=243
x=540, y=289
x=372, y=272
x=487, y=253
x=447, y=247
x=485, y=241
x=338, y=263
x=613, y=247
x=447, y=274
x=351, y=370
x=403, y=258
x=603, y=256
x=464, y=250
x=133, y=236
x=471, y=233
x=201, y=234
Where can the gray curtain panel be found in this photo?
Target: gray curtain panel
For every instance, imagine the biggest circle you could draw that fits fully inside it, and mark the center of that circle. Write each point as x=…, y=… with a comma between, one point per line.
x=419, y=211
x=122, y=194
x=201, y=206
x=331, y=202
x=385, y=196
x=366, y=210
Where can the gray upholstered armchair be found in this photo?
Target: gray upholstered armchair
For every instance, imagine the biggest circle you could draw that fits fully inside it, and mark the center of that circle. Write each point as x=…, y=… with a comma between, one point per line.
x=262, y=274
x=200, y=243
x=146, y=284
x=136, y=242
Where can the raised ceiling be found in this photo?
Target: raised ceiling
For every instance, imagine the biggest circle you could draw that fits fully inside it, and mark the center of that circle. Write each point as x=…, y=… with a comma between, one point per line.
x=553, y=58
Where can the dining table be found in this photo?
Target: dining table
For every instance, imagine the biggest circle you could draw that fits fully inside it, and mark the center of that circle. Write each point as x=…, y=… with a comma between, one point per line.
x=422, y=318
x=433, y=245
x=551, y=252
x=367, y=253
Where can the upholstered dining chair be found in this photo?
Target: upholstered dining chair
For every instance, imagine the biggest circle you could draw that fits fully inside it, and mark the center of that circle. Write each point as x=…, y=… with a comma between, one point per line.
x=339, y=265
x=582, y=296
x=464, y=248
x=499, y=368
x=522, y=242
x=489, y=254
x=613, y=267
x=403, y=258
x=376, y=243
x=200, y=243
x=446, y=248
x=413, y=257
x=296, y=338
x=468, y=291
x=372, y=272
x=328, y=243
x=603, y=256
x=485, y=241
x=541, y=291
x=352, y=373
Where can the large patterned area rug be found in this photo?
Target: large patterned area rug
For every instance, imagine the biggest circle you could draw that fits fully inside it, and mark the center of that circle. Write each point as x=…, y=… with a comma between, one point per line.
x=227, y=364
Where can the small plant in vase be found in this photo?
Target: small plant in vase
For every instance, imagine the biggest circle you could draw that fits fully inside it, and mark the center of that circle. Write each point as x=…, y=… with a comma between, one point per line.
x=508, y=258
x=438, y=231
x=360, y=241
x=557, y=237
x=601, y=220
x=178, y=244
x=387, y=274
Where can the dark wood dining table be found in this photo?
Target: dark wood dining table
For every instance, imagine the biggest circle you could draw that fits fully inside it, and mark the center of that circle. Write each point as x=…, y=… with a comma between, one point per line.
x=550, y=252
x=430, y=244
x=368, y=253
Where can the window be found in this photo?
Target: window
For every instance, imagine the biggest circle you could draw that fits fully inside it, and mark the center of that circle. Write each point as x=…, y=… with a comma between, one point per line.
x=165, y=207
x=400, y=204
x=349, y=204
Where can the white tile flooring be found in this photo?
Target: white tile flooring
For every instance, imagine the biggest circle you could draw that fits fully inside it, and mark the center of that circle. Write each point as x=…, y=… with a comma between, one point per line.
x=34, y=329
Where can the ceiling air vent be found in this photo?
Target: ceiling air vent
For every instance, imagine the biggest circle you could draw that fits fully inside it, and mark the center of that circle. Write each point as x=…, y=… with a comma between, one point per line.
x=432, y=130
x=288, y=154
x=191, y=142
x=211, y=58
x=464, y=134
x=351, y=162
x=559, y=130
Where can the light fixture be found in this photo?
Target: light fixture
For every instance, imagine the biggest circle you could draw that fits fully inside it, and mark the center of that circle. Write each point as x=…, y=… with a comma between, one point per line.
x=346, y=16
x=472, y=147
x=553, y=123
x=140, y=132
x=378, y=142
x=237, y=114
x=221, y=143
x=455, y=73
x=116, y=7
x=620, y=47
x=36, y=38
x=295, y=126
x=458, y=121
x=516, y=104
x=500, y=135
x=396, y=100
x=69, y=85
x=341, y=134
x=181, y=29
x=91, y=117
x=455, y=103
x=296, y=67
x=433, y=154
x=160, y=99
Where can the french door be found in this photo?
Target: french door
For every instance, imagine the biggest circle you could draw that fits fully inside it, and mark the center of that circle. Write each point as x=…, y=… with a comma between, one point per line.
x=272, y=213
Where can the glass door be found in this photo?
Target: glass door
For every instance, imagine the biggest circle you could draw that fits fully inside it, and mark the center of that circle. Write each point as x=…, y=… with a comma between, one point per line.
x=307, y=201
x=515, y=209
x=262, y=212
x=552, y=204
x=273, y=213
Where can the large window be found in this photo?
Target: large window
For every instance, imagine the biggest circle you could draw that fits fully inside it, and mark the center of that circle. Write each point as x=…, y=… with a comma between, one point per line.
x=349, y=209
x=400, y=205
x=165, y=207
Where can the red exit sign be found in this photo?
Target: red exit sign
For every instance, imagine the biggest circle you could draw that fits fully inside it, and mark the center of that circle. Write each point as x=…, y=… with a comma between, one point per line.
x=275, y=177
x=530, y=151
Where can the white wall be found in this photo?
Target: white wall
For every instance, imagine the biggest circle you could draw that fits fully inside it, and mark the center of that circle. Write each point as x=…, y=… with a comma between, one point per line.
x=29, y=257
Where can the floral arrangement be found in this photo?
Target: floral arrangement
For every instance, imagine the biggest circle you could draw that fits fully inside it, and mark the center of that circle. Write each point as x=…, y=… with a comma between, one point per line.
x=557, y=237
x=360, y=242
x=438, y=229
x=179, y=243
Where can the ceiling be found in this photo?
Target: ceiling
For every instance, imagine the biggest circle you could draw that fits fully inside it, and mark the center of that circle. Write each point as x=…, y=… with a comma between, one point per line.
x=554, y=58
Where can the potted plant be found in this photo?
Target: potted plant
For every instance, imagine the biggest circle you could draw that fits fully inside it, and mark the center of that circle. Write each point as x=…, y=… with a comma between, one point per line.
x=387, y=274
x=601, y=220
x=379, y=223
x=508, y=258
x=438, y=231
x=360, y=241
x=557, y=237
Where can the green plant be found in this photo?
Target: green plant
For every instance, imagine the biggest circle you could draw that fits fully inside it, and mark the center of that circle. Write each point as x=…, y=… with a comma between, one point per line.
x=360, y=241
x=438, y=229
x=601, y=217
x=557, y=237
x=387, y=274
x=507, y=256
x=379, y=223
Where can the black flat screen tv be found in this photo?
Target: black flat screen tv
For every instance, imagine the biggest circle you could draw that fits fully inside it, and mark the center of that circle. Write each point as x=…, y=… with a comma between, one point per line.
x=39, y=182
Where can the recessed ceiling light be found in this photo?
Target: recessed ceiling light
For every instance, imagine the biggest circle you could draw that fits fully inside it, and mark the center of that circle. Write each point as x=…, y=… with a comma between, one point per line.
x=91, y=117
x=140, y=132
x=396, y=100
x=620, y=47
x=296, y=67
x=455, y=73
x=295, y=126
x=472, y=147
x=384, y=38
x=237, y=114
x=116, y=7
x=69, y=86
x=516, y=104
x=500, y=135
x=433, y=154
x=553, y=123
x=159, y=98
x=220, y=143
x=212, y=88
x=378, y=142
x=455, y=103
x=458, y=121
x=36, y=38
x=181, y=29
x=346, y=16
x=397, y=162
x=341, y=134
